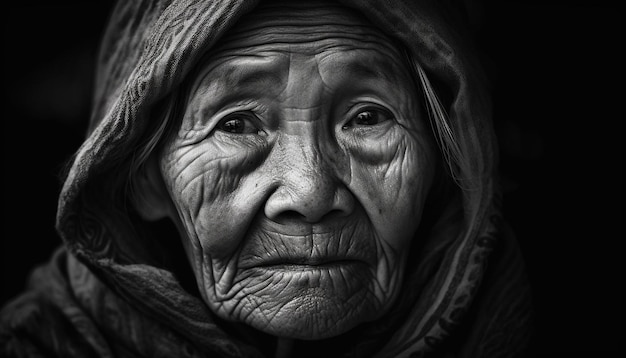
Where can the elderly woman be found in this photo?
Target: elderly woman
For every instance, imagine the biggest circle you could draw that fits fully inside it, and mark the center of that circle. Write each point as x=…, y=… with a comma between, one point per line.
x=279, y=179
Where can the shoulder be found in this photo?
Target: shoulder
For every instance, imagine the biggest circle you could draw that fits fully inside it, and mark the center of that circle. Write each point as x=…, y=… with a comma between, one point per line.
x=18, y=320
x=45, y=321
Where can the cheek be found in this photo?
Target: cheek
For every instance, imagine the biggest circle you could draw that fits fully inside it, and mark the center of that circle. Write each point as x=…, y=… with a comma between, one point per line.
x=393, y=187
x=204, y=182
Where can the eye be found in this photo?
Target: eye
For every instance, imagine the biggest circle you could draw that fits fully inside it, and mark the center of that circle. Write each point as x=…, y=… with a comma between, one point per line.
x=369, y=117
x=239, y=123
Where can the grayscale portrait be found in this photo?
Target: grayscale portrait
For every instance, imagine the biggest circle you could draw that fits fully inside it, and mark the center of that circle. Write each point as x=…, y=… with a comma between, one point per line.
x=281, y=179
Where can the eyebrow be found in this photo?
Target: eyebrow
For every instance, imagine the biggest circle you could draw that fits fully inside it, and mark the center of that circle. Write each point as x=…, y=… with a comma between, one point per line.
x=374, y=68
x=362, y=70
x=254, y=78
x=252, y=72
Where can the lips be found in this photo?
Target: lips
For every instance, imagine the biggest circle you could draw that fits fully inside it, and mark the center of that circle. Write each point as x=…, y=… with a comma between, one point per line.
x=304, y=246
x=308, y=261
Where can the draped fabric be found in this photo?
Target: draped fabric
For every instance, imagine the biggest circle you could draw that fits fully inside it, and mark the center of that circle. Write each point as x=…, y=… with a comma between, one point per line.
x=115, y=289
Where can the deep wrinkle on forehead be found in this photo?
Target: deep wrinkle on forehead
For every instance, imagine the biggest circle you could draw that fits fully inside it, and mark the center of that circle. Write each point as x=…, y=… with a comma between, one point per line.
x=261, y=62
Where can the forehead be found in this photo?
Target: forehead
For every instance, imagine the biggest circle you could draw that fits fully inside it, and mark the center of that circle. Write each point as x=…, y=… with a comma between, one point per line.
x=268, y=42
x=293, y=23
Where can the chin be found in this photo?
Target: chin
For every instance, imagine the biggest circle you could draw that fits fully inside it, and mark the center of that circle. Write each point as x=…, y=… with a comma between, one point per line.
x=313, y=323
x=309, y=309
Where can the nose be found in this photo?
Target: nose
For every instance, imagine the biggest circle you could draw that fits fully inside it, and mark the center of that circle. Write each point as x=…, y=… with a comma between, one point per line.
x=308, y=188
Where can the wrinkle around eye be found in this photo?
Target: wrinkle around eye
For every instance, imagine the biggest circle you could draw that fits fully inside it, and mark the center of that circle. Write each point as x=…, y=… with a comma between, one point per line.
x=182, y=163
x=209, y=109
x=377, y=146
x=184, y=170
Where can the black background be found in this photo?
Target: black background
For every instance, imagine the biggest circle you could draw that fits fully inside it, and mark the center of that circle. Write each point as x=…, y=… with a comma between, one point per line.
x=556, y=69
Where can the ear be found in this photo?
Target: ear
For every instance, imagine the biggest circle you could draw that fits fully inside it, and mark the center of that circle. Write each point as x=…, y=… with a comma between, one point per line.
x=149, y=194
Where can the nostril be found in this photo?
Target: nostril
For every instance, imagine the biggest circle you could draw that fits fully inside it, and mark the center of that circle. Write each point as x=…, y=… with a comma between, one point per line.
x=289, y=216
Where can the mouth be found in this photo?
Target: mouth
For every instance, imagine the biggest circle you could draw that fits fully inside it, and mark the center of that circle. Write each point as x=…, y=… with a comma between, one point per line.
x=299, y=246
x=300, y=264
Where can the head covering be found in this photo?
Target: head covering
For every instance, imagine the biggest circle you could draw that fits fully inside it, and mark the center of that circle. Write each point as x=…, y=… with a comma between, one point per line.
x=118, y=291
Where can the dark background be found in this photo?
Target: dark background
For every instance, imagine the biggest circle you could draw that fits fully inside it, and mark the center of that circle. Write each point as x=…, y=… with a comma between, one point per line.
x=557, y=74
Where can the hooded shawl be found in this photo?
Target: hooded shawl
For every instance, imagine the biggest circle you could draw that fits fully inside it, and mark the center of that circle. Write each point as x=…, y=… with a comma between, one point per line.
x=112, y=290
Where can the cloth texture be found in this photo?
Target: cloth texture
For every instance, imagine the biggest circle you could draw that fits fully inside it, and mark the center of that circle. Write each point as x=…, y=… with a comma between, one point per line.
x=115, y=290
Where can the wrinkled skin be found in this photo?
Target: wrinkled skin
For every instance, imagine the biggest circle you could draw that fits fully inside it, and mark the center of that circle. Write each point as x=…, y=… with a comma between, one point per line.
x=299, y=172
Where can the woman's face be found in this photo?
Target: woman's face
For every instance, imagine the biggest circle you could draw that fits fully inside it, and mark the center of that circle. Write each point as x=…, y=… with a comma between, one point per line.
x=299, y=173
